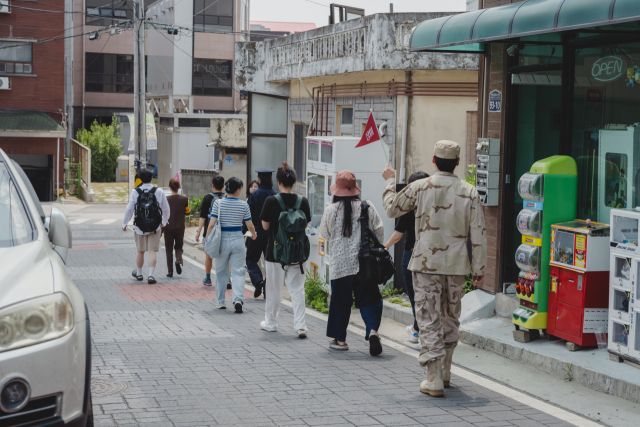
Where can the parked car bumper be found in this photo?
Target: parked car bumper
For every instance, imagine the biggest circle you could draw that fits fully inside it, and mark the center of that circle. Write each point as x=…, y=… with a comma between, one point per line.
x=60, y=368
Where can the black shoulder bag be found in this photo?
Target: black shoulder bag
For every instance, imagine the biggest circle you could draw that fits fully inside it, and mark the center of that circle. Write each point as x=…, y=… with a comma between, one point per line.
x=376, y=266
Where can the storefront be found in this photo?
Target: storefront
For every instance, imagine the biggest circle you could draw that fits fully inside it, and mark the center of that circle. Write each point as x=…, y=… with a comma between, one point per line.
x=560, y=77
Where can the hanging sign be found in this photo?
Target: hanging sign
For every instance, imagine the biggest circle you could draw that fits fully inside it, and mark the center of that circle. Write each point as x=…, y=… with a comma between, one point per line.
x=152, y=139
x=608, y=68
x=495, y=101
x=132, y=132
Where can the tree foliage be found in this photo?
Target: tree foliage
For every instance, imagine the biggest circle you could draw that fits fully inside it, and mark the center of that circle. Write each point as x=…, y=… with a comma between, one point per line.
x=104, y=143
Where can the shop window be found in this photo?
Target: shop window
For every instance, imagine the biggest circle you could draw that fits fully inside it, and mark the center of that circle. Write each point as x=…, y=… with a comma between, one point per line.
x=605, y=143
x=213, y=16
x=109, y=73
x=212, y=77
x=300, y=149
x=104, y=12
x=16, y=58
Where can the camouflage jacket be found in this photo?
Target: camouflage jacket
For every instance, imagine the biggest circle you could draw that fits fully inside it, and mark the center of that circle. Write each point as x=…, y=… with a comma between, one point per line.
x=448, y=210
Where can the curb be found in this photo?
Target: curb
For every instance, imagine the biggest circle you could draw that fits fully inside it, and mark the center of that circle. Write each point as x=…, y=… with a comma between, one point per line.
x=397, y=312
x=586, y=377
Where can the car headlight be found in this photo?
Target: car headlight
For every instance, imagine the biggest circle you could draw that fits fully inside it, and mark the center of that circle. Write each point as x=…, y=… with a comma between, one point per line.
x=35, y=321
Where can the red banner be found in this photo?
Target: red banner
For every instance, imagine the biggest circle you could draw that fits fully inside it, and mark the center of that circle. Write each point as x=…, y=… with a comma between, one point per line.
x=370, y=133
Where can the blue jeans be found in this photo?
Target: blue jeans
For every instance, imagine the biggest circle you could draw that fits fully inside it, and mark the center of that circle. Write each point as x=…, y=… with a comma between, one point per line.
x=408, y=285
x=254, y=272
x=232, y=253
x=367, y=299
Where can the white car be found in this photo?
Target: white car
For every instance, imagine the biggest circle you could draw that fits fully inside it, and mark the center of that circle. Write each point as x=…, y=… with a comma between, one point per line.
x=45, y=343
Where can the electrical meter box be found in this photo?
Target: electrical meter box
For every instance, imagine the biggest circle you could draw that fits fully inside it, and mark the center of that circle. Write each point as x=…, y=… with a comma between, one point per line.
x=579, y=281
x=488, y=170
x=549, y=194
x=326, y=156
x=619, y=170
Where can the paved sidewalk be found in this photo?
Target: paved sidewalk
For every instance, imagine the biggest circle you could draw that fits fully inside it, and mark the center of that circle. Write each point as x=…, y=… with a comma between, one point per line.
x=164, y=355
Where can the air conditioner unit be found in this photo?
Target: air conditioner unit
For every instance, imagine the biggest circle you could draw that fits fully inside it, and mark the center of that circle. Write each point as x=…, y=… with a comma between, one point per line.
x=4, y=6
x=5, y=83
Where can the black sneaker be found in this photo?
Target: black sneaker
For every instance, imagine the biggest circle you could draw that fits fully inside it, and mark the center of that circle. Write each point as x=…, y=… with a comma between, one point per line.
x=238, y=307
x=178, y=268
x=375, y=347
x=259, y=288
x=170, y=274
x=229, y=285
x=134, y=273
x=151, y=280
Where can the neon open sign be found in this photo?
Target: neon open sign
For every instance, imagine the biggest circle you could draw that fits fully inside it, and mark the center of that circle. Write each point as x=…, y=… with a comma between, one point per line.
x=608, y=68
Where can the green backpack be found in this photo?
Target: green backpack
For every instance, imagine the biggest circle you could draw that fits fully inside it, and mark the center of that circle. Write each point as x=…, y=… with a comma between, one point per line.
x=291, y=244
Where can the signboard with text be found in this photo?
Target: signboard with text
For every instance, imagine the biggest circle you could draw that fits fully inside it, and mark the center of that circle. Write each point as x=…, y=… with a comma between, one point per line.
x=495, y=101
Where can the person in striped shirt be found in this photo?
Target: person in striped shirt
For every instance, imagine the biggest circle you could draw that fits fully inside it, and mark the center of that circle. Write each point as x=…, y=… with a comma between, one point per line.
x=232, y=213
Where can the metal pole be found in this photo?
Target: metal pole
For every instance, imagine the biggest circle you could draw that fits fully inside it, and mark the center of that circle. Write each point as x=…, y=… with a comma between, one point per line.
x=139, y=89
x=58, y=170
x=405, y=119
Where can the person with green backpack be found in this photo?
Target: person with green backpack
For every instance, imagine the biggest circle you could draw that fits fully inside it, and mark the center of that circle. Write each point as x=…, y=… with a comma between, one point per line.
x=285, y=216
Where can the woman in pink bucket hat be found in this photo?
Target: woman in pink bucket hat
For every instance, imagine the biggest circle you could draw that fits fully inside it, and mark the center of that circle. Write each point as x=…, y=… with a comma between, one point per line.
x=341, y=229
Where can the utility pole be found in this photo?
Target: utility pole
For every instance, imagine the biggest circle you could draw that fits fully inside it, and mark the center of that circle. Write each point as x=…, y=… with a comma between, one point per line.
x=139, y=86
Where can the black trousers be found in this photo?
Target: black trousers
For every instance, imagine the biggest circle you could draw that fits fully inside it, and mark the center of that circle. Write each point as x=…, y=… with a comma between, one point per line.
x=173, y=240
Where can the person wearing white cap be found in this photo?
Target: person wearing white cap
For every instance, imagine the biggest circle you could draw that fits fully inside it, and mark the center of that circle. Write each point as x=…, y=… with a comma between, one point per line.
x=448, y=212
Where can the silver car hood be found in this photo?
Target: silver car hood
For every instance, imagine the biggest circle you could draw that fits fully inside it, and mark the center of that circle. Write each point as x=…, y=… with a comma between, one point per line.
x=25, y=273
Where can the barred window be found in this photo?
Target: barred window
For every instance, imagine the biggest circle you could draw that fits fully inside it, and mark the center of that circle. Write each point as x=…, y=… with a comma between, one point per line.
x=16, y=58
x=106, y=72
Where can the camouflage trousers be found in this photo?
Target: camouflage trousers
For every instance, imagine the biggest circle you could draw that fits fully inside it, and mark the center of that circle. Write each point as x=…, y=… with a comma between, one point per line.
x=438, y=305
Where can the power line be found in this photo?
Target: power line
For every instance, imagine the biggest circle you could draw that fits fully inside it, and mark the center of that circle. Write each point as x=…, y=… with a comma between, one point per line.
x=319, y=4
x=99, y=30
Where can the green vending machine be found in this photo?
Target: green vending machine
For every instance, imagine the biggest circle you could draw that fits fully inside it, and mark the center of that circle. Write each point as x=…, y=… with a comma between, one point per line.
x=549, y=193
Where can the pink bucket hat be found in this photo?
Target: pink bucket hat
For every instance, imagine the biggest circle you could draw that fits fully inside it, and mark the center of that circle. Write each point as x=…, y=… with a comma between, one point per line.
x=345, y=185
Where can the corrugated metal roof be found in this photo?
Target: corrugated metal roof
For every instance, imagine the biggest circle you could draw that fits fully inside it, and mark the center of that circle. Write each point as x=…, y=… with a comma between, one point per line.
x=27, y=121
x=292, y=27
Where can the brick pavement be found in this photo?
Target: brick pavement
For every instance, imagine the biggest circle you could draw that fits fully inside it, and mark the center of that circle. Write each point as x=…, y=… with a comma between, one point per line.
x=185, y=363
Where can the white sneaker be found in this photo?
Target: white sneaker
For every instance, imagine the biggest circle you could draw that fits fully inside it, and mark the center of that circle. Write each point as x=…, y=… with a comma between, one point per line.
x=222, y=306
x=302, y=333
x=417, y=347
x=413, y=336
x=263, y=325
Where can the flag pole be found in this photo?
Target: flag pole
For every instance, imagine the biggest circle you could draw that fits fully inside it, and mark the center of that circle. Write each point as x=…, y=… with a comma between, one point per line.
x=385, y=150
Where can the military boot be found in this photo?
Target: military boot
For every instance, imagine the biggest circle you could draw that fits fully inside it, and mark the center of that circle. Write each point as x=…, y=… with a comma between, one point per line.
x=446, y=366
x=433, y=385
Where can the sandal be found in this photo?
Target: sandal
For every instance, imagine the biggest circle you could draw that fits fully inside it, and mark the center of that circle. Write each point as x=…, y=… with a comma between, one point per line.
x=134, y=273
x=336, y=346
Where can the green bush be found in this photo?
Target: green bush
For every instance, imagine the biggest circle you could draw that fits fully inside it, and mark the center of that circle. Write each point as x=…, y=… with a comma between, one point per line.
x=315, y=295
x=195, y=204
x=104, y=143
x=471, y=175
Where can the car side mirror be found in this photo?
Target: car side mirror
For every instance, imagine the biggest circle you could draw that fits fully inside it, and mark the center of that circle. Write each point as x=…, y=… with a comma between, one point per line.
x=60, y=232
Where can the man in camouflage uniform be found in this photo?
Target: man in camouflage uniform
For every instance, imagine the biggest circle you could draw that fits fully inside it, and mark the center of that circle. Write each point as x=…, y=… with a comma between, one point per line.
x=448, y=211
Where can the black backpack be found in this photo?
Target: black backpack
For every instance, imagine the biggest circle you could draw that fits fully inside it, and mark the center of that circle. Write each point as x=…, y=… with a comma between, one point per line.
x=148, y=214
x=376, y=266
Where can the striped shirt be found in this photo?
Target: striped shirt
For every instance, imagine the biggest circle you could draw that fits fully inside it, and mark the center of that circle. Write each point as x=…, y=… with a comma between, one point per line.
x=233, y=212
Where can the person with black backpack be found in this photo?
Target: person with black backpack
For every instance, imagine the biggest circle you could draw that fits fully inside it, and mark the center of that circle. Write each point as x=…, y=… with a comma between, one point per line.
x=285, y=216
x=151, y=209
x=346, y=224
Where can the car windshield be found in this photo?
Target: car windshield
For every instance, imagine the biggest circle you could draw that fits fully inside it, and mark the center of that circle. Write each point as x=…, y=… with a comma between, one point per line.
x=15, y=225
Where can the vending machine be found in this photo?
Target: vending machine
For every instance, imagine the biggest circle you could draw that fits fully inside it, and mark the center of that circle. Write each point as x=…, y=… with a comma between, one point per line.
x=549, y=192
x=579, y=282
x=624, y=310
x=618, y=170
x=326, y=156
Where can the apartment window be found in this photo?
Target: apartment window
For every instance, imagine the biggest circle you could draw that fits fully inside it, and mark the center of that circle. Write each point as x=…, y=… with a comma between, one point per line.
x=15, y=58
x=213, y=16
x=212, y=77
x=109, y=73
x=105, y=12
x=346, y=121
x=300, y=150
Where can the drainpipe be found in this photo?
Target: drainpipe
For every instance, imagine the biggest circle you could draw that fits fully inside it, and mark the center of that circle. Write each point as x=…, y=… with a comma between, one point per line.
x=84, y=56
x=405, y=119
x=57, y=198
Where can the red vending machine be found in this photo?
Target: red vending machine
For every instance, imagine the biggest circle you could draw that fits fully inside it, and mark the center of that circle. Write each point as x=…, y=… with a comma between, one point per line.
x=579, y=281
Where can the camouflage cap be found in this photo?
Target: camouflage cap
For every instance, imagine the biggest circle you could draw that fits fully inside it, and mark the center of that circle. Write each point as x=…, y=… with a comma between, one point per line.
x=447, y=149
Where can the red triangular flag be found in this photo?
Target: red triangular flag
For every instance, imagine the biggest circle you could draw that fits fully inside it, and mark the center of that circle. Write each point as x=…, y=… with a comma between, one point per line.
x=370, y=133
x=177, y=177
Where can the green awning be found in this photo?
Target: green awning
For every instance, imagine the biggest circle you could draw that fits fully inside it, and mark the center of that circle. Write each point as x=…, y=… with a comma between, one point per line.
x=30, y=121
x=522, y=19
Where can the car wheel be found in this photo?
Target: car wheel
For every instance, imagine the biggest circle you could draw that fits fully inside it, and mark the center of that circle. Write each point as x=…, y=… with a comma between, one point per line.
x=90, y=412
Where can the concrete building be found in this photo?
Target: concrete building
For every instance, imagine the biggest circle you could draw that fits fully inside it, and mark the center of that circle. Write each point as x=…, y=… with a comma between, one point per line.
x=32, y=98
x=190, y=85
x=350, y=68
x=263, y=30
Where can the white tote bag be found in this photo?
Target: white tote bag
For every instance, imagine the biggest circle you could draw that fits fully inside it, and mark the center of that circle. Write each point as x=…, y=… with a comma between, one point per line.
x=212, y=241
